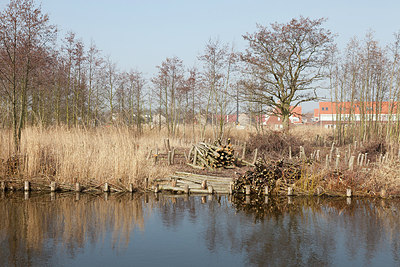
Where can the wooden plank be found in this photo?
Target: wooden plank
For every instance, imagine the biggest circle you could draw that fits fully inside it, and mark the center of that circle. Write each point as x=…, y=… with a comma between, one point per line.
x=173, y=188
x=204, y=176
x=200, y=179
x=198, y=191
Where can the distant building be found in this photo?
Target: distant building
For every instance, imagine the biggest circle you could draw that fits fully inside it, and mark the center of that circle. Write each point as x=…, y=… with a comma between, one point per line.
x=329, y=112
x=157, y=118
x=275, y=122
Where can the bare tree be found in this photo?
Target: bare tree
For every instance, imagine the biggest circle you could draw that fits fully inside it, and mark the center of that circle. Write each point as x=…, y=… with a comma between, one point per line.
x=217, y=67
x=286, y=61
x=25, y=36
x=170, y=77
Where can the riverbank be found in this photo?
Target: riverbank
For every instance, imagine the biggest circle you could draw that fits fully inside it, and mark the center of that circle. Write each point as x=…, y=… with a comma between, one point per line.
x=120, y=160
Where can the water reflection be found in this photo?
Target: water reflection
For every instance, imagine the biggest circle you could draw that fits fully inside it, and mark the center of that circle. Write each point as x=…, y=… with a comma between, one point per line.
x=33, y=226
x=68, y=229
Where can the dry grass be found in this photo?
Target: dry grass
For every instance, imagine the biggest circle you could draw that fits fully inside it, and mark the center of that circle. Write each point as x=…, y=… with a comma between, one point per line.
x=118, y=155
x=100, y=155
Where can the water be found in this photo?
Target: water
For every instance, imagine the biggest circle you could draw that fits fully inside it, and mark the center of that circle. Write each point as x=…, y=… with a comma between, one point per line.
x=150, y=230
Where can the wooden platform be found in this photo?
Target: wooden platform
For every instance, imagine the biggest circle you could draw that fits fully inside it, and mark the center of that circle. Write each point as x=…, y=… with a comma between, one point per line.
x=190, y=183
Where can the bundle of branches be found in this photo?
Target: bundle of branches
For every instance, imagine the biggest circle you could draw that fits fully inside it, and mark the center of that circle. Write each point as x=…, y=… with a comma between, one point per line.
x=272, y=174
x=212, y=156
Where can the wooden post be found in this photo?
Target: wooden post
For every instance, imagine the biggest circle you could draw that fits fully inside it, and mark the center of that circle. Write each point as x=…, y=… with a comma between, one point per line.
x=362, y=160
x=155, y=159
x=290, y=200
x=204, y=184
x=210, y=189
x=255, y=156
x=317, y=156
x=348, y=192
x=78, y=187
x=130, y=188
x=169, y=157
x=327, y=161
x=290, y=191
x=173, y=182
x=302, y=153
x=173, y=156
x=77, y=196
x=26, y=195
x=106, y=187
x=231, y=185
x=27, y=186
x=244, y=150
x=290, y=152
x=247, y=199
x=203, y=200
x=266, y=190
x=348, y=200
x=156, y=188
x=186, y=189
x=53, y=186
x=3, y=186
x=331, y=152
x=146, y=182
x=337, y=162
x=248, y=190
x=351, y=163
x=52, y=196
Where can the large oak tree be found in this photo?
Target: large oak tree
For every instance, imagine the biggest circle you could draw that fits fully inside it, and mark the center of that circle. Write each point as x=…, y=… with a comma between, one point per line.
x=284, y=62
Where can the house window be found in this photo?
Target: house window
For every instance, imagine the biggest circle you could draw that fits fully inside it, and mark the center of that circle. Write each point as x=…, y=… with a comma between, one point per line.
x=323, y=108
x=326, y=108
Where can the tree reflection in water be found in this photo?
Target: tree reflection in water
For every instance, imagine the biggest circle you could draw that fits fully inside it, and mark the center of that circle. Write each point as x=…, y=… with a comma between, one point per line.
x=253, y=231
x=32, y=230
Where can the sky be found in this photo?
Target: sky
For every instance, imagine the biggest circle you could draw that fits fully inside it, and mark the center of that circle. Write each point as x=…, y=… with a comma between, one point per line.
x=141, y=34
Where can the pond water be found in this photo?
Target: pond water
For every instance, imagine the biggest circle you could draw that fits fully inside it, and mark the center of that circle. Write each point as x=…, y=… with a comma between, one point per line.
x=162, y=230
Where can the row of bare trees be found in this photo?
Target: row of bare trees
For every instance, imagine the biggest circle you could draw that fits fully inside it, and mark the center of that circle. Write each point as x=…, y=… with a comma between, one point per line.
x=367, y=76
x=49, y=81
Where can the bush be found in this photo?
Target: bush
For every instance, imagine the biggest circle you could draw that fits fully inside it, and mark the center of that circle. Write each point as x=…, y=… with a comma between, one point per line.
x=275, y=144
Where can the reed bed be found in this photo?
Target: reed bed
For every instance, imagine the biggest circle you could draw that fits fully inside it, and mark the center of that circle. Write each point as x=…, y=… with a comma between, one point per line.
x=113, y=155
x=120, y=156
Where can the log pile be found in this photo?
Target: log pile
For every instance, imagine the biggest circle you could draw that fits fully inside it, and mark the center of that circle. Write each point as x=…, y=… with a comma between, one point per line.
x=273, y=174
x=212, y=156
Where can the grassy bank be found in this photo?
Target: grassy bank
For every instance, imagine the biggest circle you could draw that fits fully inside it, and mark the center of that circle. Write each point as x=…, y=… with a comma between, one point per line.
x=118, y=156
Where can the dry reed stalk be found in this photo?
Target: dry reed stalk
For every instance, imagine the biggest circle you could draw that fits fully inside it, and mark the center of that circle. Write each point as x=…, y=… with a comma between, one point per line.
x=93, y=156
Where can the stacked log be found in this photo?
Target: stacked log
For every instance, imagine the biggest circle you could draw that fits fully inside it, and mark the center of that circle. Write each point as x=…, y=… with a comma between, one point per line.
x=273, y=174
x=212, y=156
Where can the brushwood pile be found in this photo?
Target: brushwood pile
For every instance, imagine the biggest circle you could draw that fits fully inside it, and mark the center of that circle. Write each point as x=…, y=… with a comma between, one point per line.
x=274, y=174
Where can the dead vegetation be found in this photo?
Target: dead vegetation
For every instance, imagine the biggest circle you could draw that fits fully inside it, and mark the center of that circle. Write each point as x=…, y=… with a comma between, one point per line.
x=119, y=157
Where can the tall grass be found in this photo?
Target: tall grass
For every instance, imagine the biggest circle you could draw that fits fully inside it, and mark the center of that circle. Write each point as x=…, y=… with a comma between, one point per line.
x=114, y=155
x=117, y=155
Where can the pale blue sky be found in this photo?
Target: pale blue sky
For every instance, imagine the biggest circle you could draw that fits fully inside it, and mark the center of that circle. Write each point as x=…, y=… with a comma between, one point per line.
x=140, y=34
